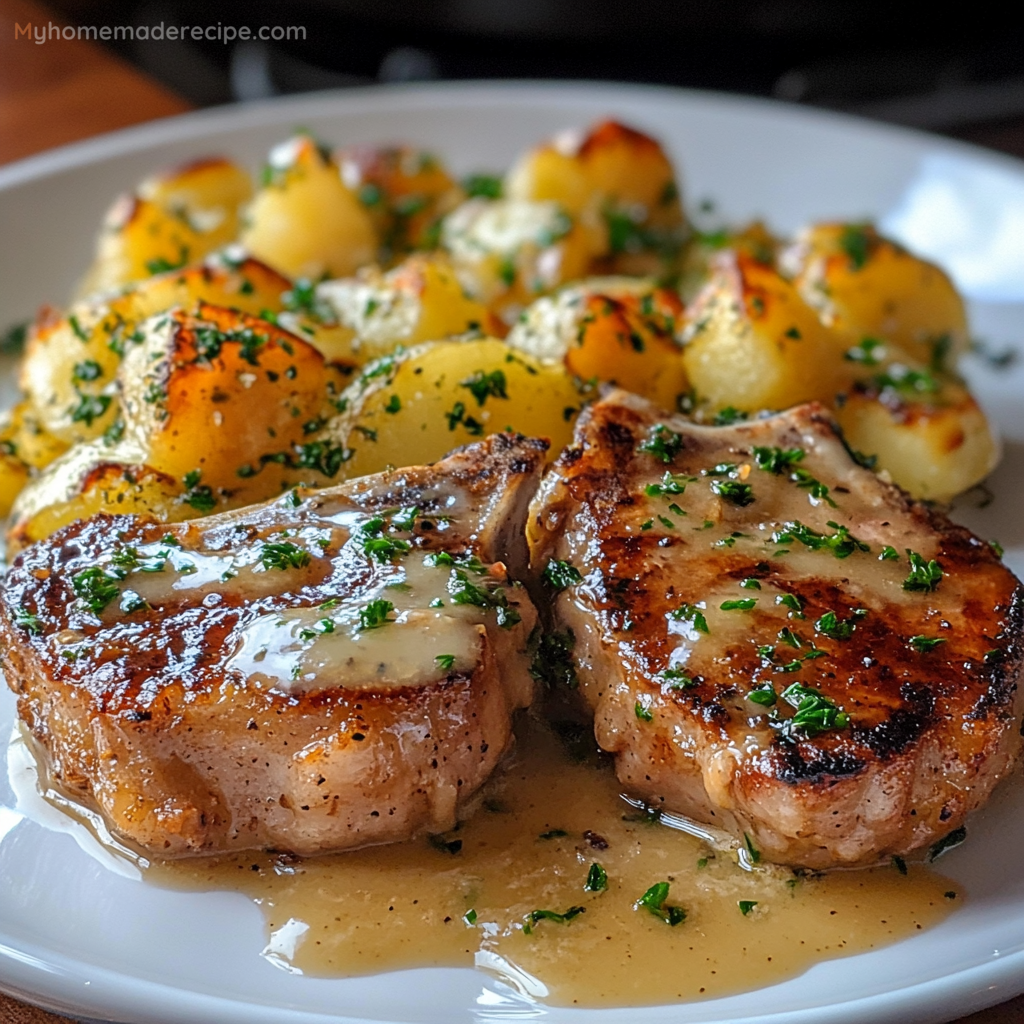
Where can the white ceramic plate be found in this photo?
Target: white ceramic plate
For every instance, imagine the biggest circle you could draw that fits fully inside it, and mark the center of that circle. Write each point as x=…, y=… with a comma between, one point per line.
x=78, y=935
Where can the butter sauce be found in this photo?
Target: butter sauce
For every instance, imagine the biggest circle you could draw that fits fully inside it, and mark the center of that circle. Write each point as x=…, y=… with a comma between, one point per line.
x=465, y=898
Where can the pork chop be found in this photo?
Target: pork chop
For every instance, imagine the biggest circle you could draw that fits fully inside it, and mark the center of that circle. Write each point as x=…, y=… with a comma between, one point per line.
x=775, y=640
x=330, y=670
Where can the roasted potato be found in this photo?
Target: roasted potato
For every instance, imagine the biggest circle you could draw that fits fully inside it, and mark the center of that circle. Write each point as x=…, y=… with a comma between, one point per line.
x=370, y=315
x=868, y=286
x=752, y=343
x=413, y=407
x=305, y=221
x=87, y=481
x=928, y=433
x=507, y=252
x=174, y=219
x=71, y=362
x=618, y=330
x=218, y=410
x=228, y=404
x=406, y=192
x=614, y=176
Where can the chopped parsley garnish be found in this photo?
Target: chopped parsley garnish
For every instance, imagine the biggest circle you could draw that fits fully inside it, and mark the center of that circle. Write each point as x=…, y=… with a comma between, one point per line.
x=750, y=583
x=662, y=443
x=89, y=408
x=671, y=483
x=554, y=833
x=28, y=621
x=946, y=843
x=597, y=879
x=484, y=186
x=486, y=385
x=445, y=661
x=375, y=614
x=815, y=713
x=132, y=602
x=777, y=460
x=741, y=605
x=857, y=243
x=394, y=404
x=464, y=592
x=553, y=661
x=764, y=695
x=643, y=712
x=868, y=353
x=752, y=851
x=458, y=416
x=692, y=614
x=559, y=574
x=842, y=543
x=655, y=901
x=889, y=554
x=923, y=575
x=733, y=491
x=199, y=496
x=534, y=917
x=95, y=588
x=76, y=328
x=677, y=679
x=924, y=644
x=113, y=433
x=729, y=415
x=375, y=545
x=284, y=555
x=86, y=371
x=469, y=917
x=905, y=381
x=130, y=560
x=839, y=629
x=746, y=906
x=795, y=606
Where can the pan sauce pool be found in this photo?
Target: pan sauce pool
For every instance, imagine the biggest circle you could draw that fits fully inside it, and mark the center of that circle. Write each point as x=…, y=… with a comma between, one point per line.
x=467, y=897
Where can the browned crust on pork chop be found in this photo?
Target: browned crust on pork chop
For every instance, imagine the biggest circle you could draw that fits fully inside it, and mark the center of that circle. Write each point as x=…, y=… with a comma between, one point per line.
x=145, y=715
x=931, y=731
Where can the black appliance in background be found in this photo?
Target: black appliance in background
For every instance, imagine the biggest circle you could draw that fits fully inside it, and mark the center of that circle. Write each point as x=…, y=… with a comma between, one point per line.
x=957, y=70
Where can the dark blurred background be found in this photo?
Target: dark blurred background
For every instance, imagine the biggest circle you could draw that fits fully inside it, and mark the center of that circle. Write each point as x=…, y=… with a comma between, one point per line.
x=957, y=70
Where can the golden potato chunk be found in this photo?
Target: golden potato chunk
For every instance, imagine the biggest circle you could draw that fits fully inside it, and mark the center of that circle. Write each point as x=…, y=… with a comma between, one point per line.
x=614, y=176
x=305, y=220
x=368, y=316
x=929, y=434
x=616, y=330
x=87, y=481
x=507, y=252
x=229, y=405
x=413, y=407
x=868, y=286
x=752, y=343
x=405, y=190
x=174, y=219
x=70, y=363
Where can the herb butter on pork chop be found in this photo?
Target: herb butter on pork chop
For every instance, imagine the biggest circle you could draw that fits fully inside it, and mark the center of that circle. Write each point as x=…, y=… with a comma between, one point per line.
x=773, y=639
x=334, y=669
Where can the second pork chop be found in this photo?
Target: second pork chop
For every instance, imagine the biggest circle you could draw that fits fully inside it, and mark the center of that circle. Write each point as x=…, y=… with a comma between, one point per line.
x=773, y=639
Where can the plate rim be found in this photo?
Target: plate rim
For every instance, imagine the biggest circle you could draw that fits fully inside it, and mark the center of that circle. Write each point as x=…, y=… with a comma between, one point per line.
x=66, y=985
x=479, y=92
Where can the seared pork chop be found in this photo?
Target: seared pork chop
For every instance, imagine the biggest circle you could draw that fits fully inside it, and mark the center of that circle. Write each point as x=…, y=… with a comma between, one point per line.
x=775, y=640
x=333, y=669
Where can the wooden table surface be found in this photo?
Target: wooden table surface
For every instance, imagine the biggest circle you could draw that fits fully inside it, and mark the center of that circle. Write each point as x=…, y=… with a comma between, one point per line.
x=68, y=90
